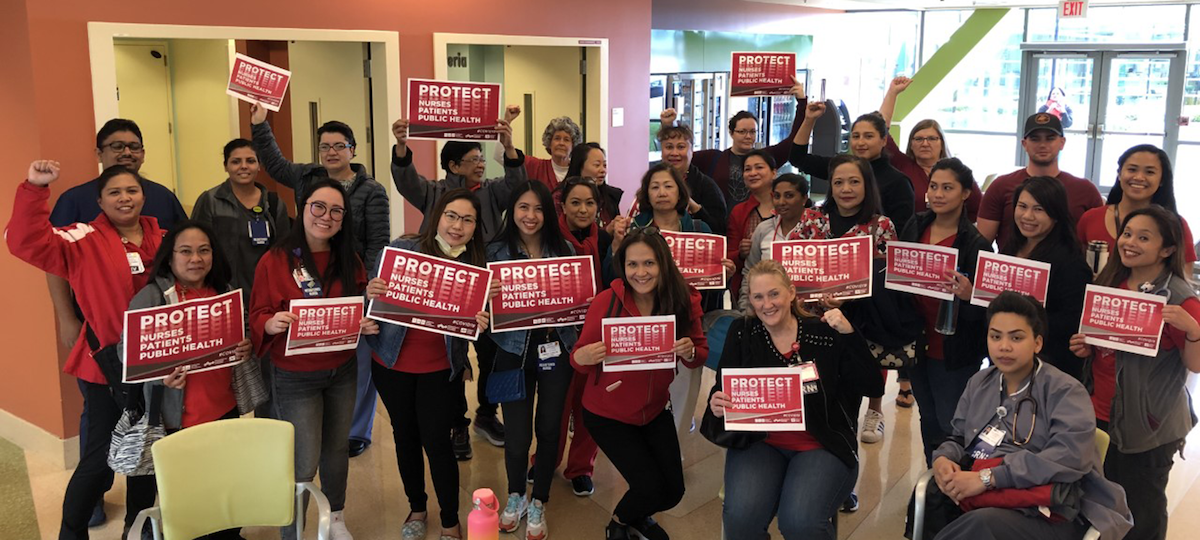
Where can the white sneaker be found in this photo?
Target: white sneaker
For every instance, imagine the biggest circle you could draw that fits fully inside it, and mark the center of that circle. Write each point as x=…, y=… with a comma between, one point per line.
x=535, y=524
x=510, y=519
x=337, y=527
x=872, y=428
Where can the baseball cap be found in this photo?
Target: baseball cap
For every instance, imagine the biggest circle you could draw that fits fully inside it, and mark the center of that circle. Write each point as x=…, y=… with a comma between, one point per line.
x=1043, y=121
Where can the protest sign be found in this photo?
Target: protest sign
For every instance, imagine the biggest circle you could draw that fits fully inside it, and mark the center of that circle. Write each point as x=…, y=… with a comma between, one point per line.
x=1122, y=320
x=258, y=82
x=698, y=256
x=995, y=273
x=430, y=293
x=764, y=399
x=838, y=268
x=920, y=269
x=199, y=334
x=761, y=74
x=542, y=293
x=444, y=110
x=324, y=325
x=639, y=343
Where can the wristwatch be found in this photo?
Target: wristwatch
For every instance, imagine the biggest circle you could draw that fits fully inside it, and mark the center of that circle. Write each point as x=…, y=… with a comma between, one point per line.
x=985, y=476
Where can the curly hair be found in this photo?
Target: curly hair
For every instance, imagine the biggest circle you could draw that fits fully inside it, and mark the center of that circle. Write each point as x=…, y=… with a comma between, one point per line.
x=562, y=123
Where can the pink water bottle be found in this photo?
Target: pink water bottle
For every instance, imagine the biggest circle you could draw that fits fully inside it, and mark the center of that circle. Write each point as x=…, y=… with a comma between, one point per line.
x=483, y=523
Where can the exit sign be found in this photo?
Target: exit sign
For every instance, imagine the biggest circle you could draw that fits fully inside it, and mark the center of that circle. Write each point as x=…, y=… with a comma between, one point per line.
x=1072, y=8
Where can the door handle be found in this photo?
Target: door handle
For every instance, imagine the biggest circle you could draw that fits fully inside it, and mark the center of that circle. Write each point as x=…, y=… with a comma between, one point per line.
x=1099, y=131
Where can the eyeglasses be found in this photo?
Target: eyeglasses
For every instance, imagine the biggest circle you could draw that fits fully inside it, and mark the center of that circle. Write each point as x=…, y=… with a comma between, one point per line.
x=188, y=253
x=744, y=132
x=336, y=147
x=920, y=140
x=454, y=217
x=120, y=146
x=648, y=230
x=318, y=209
x=473, y=160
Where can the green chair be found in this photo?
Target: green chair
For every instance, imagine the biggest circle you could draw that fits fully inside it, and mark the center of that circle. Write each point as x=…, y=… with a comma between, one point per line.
x=228, y=474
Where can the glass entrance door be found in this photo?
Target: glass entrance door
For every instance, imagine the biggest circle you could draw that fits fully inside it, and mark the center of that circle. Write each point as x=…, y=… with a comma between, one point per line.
x=1063, y=84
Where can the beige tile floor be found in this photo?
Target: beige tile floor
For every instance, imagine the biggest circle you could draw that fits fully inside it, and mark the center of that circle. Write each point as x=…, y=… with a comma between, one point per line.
x=376, y=505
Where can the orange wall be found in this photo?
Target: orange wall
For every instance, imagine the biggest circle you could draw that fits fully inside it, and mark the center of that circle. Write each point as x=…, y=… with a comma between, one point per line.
x=58, y=108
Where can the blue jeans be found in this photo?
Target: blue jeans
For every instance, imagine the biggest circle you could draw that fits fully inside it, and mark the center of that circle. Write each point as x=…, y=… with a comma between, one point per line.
x=319, y=404
x=364, y=408
x=804, y=489
x=937, y=391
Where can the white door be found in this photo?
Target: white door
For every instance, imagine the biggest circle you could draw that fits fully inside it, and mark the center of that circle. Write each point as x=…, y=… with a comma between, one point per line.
x=144, y=96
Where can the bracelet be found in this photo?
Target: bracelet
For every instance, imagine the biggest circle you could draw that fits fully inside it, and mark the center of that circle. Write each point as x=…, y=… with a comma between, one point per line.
x=1190, y=340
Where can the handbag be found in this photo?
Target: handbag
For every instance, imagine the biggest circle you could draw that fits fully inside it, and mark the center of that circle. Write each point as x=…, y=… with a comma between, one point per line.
x=136, y=431
x=111, y=366
x=898, y=357
x=506, y=383
x=249, y=389
x=713, y=428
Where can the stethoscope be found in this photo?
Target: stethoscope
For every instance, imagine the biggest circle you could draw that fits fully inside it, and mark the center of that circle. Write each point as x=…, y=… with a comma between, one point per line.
x=1002, y=411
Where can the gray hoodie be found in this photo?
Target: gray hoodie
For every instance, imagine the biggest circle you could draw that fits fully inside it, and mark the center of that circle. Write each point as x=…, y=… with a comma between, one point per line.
x=493, y=193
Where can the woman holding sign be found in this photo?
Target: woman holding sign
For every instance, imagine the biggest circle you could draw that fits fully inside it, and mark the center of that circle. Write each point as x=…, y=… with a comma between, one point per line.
x=541, y=357
x=105, y=263
x=799, y=476
x=626, y=410
x=420, y=374
x=1042, y=230
x=946, y=362
x=315, y=391
x=758, y=172
x=1144, y=177
x=1142, y=402
x=1023, y=441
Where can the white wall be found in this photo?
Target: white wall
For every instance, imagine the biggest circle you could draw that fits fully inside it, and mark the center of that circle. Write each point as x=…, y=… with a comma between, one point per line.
x=331, y=75
x=551, y=74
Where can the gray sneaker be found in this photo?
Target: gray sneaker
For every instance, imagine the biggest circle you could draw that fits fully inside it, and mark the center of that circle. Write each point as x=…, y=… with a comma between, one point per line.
x=413, y=530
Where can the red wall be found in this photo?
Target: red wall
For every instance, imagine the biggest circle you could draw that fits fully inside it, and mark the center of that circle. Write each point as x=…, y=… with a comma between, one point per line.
x=48, y=89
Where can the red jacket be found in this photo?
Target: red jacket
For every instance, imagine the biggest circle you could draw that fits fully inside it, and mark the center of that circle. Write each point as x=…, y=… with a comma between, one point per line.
x=274, y=289
x=642, y=395
x=736, y=233
x=92, y=258
x=542, y=170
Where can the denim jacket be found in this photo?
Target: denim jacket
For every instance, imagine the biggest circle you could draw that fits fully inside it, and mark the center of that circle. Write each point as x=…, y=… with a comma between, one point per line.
x=516, y=341
x=386, y=344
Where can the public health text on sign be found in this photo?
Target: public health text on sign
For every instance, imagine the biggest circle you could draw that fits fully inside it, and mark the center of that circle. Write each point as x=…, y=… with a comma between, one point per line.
x=199, y=334
x=430, y=293
x=444, y=110
x=542, y=293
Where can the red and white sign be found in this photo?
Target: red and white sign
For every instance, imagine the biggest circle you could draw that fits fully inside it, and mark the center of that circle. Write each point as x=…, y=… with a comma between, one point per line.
x=761, y=73
x=200, y=334
x=431, y=293
x=542, y=293
x=1122, y=320
x=256, y=81
x=920, y=268
x=836, y=268
x=445, y=110
x=764, y=399
x=639, y=343
x=698, y=256
x=996, y=273
x=324, y=325
x=1072, y=8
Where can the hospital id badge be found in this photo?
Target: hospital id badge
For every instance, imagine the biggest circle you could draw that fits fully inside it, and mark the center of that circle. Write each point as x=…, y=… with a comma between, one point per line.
x=136, y=266
x=307, y=284
x=809, y=378
x=549, y=350
x=260, y=232
x=989, y=439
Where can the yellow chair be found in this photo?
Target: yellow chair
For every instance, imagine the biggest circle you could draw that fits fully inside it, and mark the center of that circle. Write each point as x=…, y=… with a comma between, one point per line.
x=922, y=488
x=227, y=474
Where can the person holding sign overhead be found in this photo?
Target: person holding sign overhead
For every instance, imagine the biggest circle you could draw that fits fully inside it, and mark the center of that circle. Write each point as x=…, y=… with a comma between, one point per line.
x=946, y=362
x=1042, y=230
x=626, y=410
x=190, y=265
x=1144, y=177
x=314, y=392
x=540, y=356
x=1022, y=461
x=1143, y=402
x=799, y=476
x=420, y=374
x=105, y=263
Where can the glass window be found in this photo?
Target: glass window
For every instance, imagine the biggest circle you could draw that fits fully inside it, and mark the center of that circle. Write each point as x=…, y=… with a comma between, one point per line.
x=858, y=64
x=1111, y=24
x=1190, y=130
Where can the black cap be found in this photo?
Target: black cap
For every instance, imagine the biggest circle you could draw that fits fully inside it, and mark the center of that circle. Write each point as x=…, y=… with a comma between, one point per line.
x=1045, y=121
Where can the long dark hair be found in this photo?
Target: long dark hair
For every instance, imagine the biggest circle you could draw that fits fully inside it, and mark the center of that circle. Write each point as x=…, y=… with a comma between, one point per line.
x=1115, y=272
x=344, y=264
x=965, y=177
x=427, y=240
x=672, y=296
x=870, y=206
x=643, y=194
x=218, y=276
x=1052, y=196
x=551, y=236
x=579, y=154
x=1165, y=195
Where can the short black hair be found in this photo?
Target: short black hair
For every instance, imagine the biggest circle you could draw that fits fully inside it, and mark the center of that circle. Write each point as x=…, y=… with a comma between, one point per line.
x=234, y=145
x=116, y=125
x=218, y=276
x=455, y=150
x=333, y=126
x=741, y=115
x=1021, y=305
x=113, y=172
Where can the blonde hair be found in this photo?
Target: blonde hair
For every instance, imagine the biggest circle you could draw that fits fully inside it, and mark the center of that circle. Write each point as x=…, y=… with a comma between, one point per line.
x=769, y=267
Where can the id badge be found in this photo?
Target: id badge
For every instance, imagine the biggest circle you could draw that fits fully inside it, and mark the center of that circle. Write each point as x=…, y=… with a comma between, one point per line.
x=260, y=232
x=307, y=284
x=988, y=440
x=547, y=351
x=136, y=266
x=808, y=372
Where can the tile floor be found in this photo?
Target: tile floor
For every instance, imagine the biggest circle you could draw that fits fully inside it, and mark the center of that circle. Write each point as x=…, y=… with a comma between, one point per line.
x=376, y=505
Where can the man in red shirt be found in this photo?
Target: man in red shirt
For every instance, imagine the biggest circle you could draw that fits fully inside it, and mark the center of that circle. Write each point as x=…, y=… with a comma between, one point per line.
x=1043, y=140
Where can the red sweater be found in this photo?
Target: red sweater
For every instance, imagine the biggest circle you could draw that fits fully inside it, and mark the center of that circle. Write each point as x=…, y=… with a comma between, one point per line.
x=541, y=170
x=92, y=258
x=735, y=233
x=274, y=290
x=920, y=181
x=642, y=395
x=1092, y=227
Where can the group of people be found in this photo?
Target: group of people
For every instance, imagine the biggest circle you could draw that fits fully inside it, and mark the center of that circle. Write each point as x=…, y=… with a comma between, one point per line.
x=124, y=242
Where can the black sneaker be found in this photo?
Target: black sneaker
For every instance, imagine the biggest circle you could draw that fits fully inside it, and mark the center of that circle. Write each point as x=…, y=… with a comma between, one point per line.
x=582, y=485
x=490, y=428
x=461, y=440
x=616, y=531
x=850, y=505
x=98, y=516
x=649, y=529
